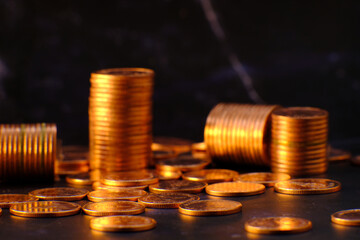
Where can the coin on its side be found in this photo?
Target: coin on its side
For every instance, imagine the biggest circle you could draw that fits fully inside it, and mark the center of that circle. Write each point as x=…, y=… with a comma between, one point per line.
x=266, y=178
x=108, y=208
x=45, y=209
x=183, y=186
x=125, y=194
x=235, y=189
x=308, y=186
x=210, y=207
x=6, y=200
x=350, y=217
x=122, y=223
x=60, y=193
x=166, y=200
x=276, y=225
x=211, y=175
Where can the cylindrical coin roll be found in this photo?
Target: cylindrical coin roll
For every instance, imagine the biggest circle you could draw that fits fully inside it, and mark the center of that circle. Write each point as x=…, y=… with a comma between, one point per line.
x=120, y=119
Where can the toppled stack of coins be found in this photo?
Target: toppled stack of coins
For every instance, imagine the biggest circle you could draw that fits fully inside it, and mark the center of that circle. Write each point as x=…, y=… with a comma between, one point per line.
x=28, y=151
x=120, y=119
x=299, y=141
x=239, y=133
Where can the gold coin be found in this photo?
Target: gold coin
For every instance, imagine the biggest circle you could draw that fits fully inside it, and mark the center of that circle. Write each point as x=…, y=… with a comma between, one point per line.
x=176, y=144
x=174, y=186
x=6, y=200
x=266, y=178
x=211, y=175
x=338, y=155
x=99, y=186
x=82, y=179
x=109, y=208
x=277, y=225
x=235, y=189
x=183, y=163
x=308, y=186
x=122, y=223
x=130, y=178
x=45, y=209
x=166, y=200
x=60, y=193
x=349, y=217
x=124, y=194
x=210, y=207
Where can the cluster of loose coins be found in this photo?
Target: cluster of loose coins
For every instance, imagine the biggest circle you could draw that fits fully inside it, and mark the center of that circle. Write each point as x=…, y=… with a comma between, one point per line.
x=27, y=151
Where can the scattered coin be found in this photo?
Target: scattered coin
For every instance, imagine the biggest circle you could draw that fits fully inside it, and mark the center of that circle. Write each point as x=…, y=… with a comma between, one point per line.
x=199, y=147
x=60, y=193
x=338, y=155
x=6, y=200
x=45, y=209
x=178, y=145
x=308, y=186
x=266, y=178
x=183, y=186
x=211, y=175
x=182, y=163
x=109, y=208
x=130, y=178
x=349, y=217
x=100, y=186
x=276, y=225
x=235, y=189
x=83, y=179
x=125, y=194
x=210, y=207
x=166, y=200
x=122, y=223
x=167, y=175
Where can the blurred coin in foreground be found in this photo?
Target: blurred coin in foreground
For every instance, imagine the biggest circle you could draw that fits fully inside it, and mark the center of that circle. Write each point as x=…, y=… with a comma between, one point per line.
x=122, y=223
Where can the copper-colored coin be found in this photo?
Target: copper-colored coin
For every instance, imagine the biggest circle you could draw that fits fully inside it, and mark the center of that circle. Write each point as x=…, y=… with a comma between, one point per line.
x=177, y=186
x=83, y=179
x=277, y=225
x=349, y=217
x=6, y=200
x=122, y=223
x=308, y=186
x=183, y=163
x=338, y=155
x=211, y=175
x=266, y=178
x=166, y=200
x=109, y=208
x=45, y=209
x=130, y=178
x=99, y=186
x=162, y=154
x=199, y=147
x=167, y=175
x=210, y=207
x=125, y=194
x=235, y=189
x=176, y=144
x=60, y=193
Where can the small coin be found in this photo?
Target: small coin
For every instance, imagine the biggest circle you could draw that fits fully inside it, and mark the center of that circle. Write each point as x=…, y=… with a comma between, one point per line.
x=308, y=186
x=130, y=178
x=177, y=186
x=100, y=186
x=211, y=175
x=45, y=209
x=60, y=193
x=176, y=144
x=109, y=208
x=338, y=155
x=166, y=200
x=349, y=217
x=167, y=175
x=210, y=207
x=82, y=179
x=6, y=200
x=276, y=225
x=266, y=178
x=235, y=189
x=125, y=194
x=122, y=223
x=199, y=147
x=182, y=163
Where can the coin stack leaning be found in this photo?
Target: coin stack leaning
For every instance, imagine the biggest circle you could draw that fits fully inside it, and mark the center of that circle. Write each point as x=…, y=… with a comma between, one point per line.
x=27, y=151
x=299, y=141
x=120, y=119
x=239, y=133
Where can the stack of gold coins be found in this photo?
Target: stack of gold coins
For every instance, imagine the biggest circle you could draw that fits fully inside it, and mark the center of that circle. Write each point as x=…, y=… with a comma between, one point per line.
x=239, y=133
x=299, y=141
x=27, y=151
x=120, y=119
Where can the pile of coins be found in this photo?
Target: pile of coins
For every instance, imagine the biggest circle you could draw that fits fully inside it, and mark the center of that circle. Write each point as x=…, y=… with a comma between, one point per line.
x=299, y=141
x=28, y=151
x=239, y=133
x=120, y=119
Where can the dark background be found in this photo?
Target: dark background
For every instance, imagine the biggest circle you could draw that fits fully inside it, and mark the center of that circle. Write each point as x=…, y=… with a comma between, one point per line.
x=298, y=53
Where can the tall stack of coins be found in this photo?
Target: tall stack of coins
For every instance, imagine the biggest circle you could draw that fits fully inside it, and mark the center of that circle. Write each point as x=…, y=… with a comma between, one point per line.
x=239, y=133
x=299, y=141
x=27, y=151
x=120, y=119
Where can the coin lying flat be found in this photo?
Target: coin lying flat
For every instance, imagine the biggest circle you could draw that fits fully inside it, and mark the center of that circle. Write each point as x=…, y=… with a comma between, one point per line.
x=167, y=175
x=63, y=194
x=166, y=200
x=308, y=186
x=338, y=155
x=100, y=186
x=349, y=217
x=235, y=189
x=211, y=175
x=125, y=194
x=83, y=179
x=210, y=207
x=130, y=178
x=177, y=186
x=199, y=147
x=182, y=163
x=176, y=144
x=45, y=209
x=113, y=208
x=266, y=178
x=275, y=225
x=122, y=223
x=6, y=200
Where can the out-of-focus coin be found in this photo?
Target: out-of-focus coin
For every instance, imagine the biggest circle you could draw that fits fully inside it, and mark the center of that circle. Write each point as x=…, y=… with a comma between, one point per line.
x=176, y=144
x=125, y=194
x=235, y=189
x=166, y=200
x=162, y=154
x=266, y=178
x=211, y=175
x=276, y=225
x=210, y=207
x=308, y=186
x=109, y=208
x=130, y=178
x=6, y=200
x=122, y=223
x=83, y=179
x=350, y=217
x=356, y=160
x=101, y=186
x=167, y=175
x=60, y=193
x=199, y=147
x=45, y=209
x=177, y=186
x=338, y=155
x=0, y=211
x=182, y=163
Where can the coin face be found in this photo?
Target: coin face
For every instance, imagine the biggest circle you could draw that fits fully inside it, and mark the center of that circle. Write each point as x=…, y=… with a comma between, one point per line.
x=349, y=217
x=60, y=193
x=177, y=186
x=6, y=200
x=125, y=194
x=45, y=209
x=210, y=207
x=276, y=225
x=182, y=163
x=113, y=208
x=130, y=178
x=266, y=178
x=235, y=189
x=308, y=186
x=122, y=223
x=166, y=200
x=211, y=175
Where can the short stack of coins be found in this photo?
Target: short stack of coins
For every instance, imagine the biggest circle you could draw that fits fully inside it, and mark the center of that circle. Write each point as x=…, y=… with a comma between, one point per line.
x=299, y=141
x=27, y=151
x=120, y=119
x=239, y=133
